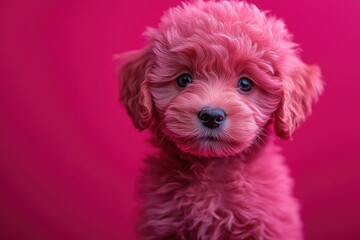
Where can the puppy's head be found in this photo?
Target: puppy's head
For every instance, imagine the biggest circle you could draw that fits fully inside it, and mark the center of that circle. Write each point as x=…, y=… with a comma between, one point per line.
x=214, y=76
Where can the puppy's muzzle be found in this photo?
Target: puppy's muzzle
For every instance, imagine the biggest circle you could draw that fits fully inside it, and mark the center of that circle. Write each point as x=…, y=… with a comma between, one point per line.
x=212, y=117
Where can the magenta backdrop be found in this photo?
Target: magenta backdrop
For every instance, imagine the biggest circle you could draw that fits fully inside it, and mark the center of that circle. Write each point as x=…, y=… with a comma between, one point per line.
x=69, y=155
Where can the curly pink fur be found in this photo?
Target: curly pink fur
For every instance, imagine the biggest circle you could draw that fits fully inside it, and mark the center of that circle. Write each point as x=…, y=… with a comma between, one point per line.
x=229, y=182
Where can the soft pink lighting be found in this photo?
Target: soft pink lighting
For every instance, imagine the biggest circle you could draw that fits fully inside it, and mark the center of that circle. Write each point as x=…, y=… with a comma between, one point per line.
x=69, y=154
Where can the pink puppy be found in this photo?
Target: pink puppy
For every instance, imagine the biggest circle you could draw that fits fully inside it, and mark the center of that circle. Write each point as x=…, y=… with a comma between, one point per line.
x=213, y=80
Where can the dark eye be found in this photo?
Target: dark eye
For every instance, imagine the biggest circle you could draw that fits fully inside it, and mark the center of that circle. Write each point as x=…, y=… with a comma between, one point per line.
x=245, y=84
x=183, y=80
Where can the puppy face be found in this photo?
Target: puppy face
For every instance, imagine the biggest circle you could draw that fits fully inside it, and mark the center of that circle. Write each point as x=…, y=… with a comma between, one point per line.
x=213, y=101
x=213, y=77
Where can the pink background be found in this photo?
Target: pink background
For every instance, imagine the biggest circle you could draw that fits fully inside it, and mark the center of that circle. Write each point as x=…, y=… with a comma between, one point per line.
x=69, y=155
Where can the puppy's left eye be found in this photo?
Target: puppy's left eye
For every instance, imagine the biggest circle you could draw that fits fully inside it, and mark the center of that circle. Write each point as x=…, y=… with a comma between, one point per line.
x=245, y=84
x=183, y=80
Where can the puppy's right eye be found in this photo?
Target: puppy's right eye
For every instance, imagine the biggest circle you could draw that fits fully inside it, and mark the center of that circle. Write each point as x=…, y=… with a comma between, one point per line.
x=183, y=80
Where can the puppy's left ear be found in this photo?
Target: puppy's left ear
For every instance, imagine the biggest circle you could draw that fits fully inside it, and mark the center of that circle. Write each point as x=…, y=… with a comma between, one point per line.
x=302, y=85
x=134, y=91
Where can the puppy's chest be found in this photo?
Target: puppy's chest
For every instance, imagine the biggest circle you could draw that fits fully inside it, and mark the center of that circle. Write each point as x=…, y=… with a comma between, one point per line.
x=212, y=192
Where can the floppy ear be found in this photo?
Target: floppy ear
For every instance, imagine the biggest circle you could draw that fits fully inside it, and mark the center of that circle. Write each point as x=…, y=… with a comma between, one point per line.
x=134, y=90
x=302, y=86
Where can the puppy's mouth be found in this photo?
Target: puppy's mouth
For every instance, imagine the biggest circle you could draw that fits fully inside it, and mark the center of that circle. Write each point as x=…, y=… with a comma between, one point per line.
x=210, y=139
x=214, y=139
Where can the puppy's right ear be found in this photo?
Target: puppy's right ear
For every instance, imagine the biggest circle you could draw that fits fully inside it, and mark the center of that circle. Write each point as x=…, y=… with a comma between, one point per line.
x=134, y=91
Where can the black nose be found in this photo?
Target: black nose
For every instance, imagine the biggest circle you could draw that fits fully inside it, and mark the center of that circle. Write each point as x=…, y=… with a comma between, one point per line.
x=211, y=117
